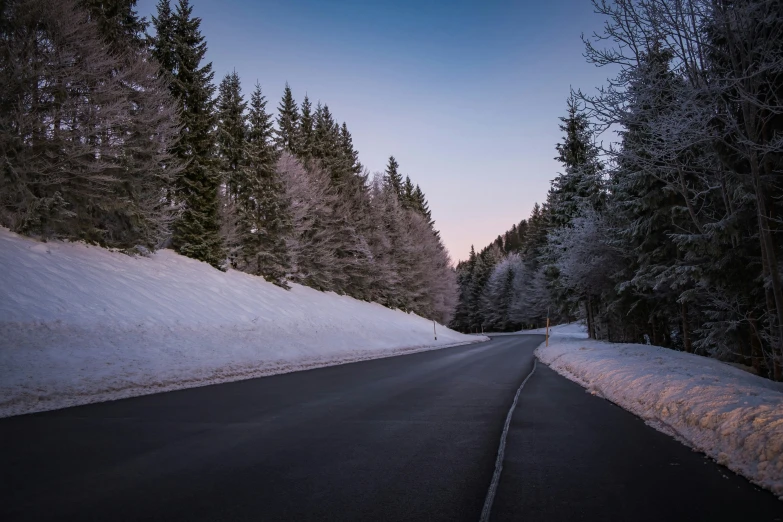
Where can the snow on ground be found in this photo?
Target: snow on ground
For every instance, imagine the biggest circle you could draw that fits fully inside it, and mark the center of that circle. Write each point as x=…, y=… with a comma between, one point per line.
x=81, y=324
x=733, y=416
x=569, y=331
x=572, y=330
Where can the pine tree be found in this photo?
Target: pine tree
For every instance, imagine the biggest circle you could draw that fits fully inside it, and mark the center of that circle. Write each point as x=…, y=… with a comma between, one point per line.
x=646, y=209
x=462, y=312
x=197, y=230
x=576, y=190
x=475, y=289
x=287, y=123
x=511, y=239
x=84, y=153
x=421, y=205
x=230, y=136
x=350, y=155
x=122, y=29
x=118, y=22
x=264, y=213
x=408, y=200
x=326, y=144
x=408, y=287
x=393, y=178
x=306, y=138
x=354, y=207
x=580, y=183
x=231, y=133
x=385, y=286
x=163, y=42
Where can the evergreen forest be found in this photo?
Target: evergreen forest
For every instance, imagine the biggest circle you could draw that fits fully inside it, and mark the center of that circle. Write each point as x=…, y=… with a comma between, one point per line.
x=116, y=132
x=665, y=223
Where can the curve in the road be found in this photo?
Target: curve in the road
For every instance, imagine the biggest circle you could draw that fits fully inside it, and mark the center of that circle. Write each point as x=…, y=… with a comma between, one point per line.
x=413, y=437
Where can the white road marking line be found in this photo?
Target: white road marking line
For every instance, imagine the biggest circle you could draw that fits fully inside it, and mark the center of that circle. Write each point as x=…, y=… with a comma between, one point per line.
x=493, y=486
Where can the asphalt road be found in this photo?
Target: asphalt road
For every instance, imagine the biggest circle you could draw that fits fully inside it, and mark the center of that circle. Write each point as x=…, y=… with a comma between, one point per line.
x=404, y=438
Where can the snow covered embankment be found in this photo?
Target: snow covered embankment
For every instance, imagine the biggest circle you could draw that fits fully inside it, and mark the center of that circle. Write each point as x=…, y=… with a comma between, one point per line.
x=81, y=324
x=731, y=415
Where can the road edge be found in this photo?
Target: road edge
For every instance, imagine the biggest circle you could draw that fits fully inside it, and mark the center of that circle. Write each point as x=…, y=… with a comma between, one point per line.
x=29, y=405
x=655, y=423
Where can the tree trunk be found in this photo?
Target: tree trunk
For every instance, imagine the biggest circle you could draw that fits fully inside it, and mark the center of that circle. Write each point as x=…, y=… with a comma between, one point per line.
x=654, y=332
x=591, y=326
x=756, y=353
x=765, y=232
x=592, y=317
x=774, y=295
x=686, y=334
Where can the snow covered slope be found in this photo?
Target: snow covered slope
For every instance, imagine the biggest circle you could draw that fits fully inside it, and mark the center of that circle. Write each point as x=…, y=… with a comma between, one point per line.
x=731, y=415
x=81, y=324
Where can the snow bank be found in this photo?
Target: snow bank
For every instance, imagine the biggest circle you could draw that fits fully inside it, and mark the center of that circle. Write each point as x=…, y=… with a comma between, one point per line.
x=732, y=416
x=81, y=324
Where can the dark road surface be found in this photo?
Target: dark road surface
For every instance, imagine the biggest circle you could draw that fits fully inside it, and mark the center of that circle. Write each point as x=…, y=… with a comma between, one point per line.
x=404, y=438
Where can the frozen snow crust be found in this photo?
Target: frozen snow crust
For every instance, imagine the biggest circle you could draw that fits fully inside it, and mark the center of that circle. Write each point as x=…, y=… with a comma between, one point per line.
x=81, y=324
x=731, y=415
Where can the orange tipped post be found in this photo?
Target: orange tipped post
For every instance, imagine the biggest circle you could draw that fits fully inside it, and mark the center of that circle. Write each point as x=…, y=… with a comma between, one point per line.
x=547, y=331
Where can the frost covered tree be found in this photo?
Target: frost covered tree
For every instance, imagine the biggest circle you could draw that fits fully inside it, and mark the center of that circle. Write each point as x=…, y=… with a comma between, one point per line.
x=87, y=131
x=394, y=223
x=586, y=261
x=416, y=273
x=310, y=242
x=383, y=239
x=521, y=297
x=434, y=294
x=502, y=293
x=693, y=190
x=115, y=138
x=579, y=188
x=482, y=270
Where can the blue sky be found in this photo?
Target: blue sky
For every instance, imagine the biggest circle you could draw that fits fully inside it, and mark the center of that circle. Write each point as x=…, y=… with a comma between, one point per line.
x=466, y=95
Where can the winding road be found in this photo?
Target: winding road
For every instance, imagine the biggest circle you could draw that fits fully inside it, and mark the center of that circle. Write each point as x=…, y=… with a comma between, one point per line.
x=413, y=437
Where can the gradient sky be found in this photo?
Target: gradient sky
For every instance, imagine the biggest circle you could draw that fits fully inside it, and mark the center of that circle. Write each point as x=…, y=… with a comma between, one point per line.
x=465, y=94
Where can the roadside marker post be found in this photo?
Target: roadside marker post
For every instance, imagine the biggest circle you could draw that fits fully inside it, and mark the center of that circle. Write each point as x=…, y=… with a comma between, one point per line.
x=547, y=327
x=434, y=331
